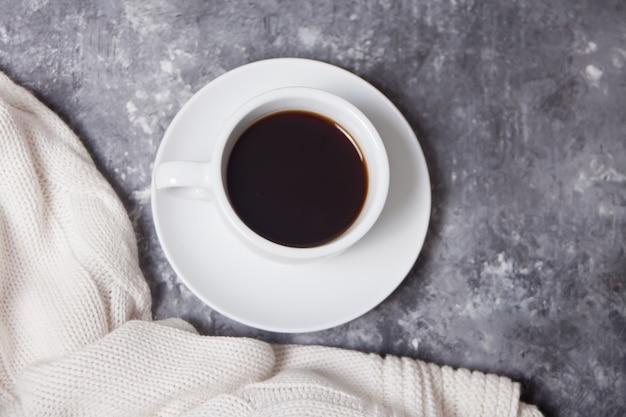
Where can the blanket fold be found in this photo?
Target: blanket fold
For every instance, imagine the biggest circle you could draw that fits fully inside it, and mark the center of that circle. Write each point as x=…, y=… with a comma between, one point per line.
x=76, y=335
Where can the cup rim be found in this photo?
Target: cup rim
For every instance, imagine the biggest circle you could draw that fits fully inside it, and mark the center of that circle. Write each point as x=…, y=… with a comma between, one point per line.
x=377, y=157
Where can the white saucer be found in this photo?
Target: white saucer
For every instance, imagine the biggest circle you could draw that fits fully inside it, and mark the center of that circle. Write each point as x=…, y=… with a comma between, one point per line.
x=265, y=294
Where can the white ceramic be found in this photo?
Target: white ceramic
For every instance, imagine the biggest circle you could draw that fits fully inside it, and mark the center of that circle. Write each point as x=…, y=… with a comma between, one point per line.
x=281, y=297
x=209, y=175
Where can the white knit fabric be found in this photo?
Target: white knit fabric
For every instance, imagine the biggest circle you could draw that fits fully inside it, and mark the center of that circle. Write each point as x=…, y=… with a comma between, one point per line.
x=76, y=337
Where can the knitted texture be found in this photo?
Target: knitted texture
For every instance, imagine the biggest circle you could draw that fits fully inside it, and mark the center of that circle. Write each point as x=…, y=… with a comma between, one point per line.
x=68, y=259
x=76, y=337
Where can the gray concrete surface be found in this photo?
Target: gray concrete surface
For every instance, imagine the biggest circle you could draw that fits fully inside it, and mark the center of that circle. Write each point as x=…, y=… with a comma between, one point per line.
x=520, y=107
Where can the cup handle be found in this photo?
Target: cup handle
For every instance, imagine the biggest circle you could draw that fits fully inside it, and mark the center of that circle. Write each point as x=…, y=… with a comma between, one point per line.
x=192, y=179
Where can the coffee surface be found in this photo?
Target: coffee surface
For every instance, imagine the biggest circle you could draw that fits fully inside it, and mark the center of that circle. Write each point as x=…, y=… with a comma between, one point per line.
x=297, y=179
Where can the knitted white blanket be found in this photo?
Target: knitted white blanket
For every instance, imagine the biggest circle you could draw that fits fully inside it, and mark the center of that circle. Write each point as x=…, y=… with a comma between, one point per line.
x=76, y=337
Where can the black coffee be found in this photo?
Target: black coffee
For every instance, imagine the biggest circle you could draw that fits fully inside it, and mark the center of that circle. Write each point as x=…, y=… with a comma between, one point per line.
x=297, y=179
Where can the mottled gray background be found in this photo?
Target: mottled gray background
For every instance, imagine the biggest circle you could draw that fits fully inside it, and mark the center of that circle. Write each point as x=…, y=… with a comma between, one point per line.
x=520, y=107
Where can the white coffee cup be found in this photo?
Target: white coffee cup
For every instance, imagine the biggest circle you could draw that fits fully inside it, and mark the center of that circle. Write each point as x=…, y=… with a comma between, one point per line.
x=206, y=179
